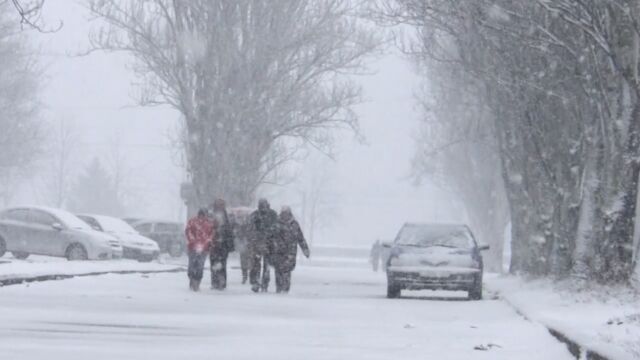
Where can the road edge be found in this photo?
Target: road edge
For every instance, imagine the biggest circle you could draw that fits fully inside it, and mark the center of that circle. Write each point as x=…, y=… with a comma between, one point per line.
x=57, y=277
x=579, y=350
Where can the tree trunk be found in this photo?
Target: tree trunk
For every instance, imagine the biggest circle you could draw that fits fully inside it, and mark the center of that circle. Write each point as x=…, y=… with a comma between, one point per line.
x=618, y=249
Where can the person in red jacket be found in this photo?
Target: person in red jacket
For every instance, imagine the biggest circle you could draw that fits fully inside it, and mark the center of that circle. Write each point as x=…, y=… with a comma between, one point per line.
x=200, y=233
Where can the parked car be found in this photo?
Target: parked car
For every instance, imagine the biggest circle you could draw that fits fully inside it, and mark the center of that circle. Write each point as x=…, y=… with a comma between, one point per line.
x=53, y=232
x=435, y=257
x=131, y=220
x=168, y=234
x=134, y=245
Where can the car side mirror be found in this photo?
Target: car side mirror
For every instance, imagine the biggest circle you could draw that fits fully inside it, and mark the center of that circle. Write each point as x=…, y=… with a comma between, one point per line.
x=57, y=226
x=483, y=247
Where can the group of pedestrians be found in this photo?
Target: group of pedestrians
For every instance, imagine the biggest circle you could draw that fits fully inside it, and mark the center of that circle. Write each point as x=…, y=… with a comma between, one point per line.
x=268, y=240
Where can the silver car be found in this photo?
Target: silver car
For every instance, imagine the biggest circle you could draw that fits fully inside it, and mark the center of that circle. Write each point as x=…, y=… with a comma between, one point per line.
x=435, y=257
x=53, y=232
x=134, y=245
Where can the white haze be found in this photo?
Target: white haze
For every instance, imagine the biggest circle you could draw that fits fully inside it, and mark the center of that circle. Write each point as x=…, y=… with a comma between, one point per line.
x=366, y=194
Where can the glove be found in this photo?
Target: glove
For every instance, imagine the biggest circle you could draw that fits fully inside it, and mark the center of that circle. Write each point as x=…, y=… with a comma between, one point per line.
x=306, y=253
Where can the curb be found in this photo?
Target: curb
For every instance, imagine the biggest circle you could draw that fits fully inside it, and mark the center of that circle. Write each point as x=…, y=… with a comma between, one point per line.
x=55, y=277
x=578, y=350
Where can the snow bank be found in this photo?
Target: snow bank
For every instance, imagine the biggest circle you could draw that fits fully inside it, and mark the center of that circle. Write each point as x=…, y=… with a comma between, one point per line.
x=41, y=268
x=603, y=320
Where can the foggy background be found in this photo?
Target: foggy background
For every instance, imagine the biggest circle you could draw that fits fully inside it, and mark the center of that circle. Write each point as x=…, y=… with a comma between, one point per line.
x=364, y=193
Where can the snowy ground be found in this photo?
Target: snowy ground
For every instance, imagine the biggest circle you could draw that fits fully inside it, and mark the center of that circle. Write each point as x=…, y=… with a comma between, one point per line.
x=36, y=266
x=606, y=319
x=332, y=313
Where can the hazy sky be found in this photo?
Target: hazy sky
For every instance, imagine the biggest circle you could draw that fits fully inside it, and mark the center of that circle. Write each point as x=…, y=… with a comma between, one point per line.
x=367, y=193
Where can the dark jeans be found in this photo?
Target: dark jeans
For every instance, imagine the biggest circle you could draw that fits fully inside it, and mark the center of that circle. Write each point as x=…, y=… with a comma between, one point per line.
x=196, y=265
x=259, y=275
x=245, y=265
x=218, y=261
x=283, y=281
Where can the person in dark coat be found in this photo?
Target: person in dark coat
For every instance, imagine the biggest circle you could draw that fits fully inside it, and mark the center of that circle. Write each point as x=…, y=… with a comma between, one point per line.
x=263, y=229
x=199, y=233
x=285, y=252
x=222, y=246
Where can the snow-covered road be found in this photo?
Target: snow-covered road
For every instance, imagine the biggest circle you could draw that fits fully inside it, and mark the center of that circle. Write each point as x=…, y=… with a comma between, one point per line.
x=332, y=313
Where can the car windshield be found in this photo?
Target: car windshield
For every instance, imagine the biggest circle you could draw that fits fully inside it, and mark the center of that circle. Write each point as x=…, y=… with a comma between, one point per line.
x=114, y=225
x=70, y=220
x=435, y=235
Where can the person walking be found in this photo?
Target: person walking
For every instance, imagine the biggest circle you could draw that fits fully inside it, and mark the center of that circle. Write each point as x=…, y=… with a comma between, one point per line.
x=263, y=229
x=221, y=246
x=376, y=255
x=199, y=232
x=286, y=244
x=239, y=218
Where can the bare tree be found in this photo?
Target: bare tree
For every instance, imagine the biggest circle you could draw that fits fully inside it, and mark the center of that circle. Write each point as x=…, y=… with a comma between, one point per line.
x=65, y=142
x=458, y=152
x=21, y=137
x=120, y=168
x=559, y=81
x=253, y=80
x=94, y=192
x=315, y=196
x=30, y=12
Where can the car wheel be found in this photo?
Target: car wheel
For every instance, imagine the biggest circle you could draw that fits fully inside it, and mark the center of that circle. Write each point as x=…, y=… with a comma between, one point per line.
x=3, y=247
x=475, y=293
x=76, y=252
x=393, y=291
x=20, y=255
x=175, y=249
x=145, y=259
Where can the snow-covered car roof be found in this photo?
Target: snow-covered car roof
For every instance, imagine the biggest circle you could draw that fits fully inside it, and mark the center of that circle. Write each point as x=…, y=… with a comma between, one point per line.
x=66, y=217
x=154, y=221
x=112, y=224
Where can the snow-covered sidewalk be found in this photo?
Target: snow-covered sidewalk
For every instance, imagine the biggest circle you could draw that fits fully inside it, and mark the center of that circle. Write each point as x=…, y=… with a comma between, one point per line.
x=601, y=320
x=42, y=268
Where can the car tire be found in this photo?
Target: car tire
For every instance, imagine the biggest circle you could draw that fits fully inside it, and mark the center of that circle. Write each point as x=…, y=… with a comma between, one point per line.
x=76, y=252
x=393, y=291
x=3, y=247
x=175, y=250
x=145, y=259
x=20, y=255
x=475, y=293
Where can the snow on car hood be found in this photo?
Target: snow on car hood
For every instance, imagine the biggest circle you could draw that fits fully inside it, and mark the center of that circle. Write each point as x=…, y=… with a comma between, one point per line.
x=434, y=256
x=136, y=240
x=105, y=238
